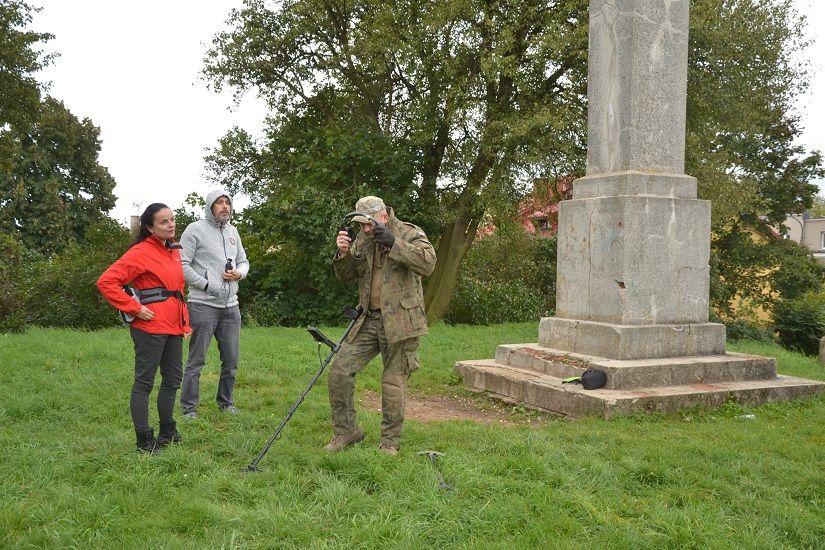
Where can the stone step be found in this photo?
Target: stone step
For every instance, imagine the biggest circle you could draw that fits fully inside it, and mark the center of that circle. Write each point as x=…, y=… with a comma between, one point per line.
x=640, y=373
x=547, y=392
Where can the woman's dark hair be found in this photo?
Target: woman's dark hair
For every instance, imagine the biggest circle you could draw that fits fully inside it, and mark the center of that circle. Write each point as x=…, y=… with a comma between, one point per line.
x=147, y=219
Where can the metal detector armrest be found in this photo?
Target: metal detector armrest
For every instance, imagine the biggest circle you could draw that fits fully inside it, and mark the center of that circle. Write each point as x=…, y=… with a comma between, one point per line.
x=320, y=338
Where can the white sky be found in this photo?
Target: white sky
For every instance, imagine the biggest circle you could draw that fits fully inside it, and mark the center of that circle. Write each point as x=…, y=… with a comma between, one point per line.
x=134, y=69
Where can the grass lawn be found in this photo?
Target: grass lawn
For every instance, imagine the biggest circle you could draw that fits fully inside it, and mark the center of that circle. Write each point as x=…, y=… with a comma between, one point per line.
x=70, y=477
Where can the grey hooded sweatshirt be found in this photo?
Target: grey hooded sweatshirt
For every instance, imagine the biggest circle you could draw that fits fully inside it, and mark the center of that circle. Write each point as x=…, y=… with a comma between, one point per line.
x=207, y=243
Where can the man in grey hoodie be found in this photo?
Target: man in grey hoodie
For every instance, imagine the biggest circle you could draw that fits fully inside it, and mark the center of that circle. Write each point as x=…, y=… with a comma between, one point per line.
x=213, y=262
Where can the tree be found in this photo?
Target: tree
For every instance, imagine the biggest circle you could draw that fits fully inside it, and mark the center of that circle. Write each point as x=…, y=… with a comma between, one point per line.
x=744, y=76
x=188, y=212
x=19, y=60
x=817, y=209
x=51, y=185
x=477, y=98
x=481, y=95
x=754, y=268
x=55, y=188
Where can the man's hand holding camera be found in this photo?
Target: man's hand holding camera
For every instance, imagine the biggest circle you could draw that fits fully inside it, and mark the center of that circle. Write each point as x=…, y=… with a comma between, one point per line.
x=343, y=242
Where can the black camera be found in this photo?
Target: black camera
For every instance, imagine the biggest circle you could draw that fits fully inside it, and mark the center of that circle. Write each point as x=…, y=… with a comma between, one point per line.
x=228, y=266
x=351, y=232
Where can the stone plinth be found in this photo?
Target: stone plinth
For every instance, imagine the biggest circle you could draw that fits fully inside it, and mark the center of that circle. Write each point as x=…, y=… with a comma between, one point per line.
x=532, y=375
x=633, y=259
x=616, y=341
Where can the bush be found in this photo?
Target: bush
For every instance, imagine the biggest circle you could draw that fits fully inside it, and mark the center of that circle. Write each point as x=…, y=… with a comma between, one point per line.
x=800, y=323
x=741, y=329
x=60, y=291
x=12, y=316
x=508, y=276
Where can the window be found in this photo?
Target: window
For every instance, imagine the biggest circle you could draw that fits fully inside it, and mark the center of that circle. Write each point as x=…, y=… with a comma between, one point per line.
x=822, y=239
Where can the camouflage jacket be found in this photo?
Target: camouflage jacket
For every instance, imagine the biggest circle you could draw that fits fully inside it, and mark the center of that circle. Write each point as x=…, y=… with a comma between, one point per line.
x=402, y=298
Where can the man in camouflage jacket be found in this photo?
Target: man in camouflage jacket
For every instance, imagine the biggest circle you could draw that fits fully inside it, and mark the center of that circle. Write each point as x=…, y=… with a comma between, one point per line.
x=387, y=259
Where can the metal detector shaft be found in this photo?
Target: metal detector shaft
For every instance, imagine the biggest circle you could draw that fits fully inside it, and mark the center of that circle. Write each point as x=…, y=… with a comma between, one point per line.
x=254, y=464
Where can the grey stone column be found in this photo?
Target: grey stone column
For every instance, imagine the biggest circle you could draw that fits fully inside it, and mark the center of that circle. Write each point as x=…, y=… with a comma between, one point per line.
x=634, y=242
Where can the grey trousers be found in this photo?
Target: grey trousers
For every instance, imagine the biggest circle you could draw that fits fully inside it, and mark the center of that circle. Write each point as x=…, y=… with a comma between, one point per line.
x=225, y=325
x=153, y=351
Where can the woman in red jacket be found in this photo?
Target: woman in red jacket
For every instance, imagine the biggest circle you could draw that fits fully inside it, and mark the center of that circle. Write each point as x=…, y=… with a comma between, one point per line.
x=152, y=267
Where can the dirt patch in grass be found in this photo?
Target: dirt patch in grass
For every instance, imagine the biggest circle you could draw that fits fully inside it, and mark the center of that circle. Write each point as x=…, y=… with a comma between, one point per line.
x=438, y=408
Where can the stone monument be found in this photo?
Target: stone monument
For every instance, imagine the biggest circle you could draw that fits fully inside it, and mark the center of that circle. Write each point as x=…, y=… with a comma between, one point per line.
x=633, y=248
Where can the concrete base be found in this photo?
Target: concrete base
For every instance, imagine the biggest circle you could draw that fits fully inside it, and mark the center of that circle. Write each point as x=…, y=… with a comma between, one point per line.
x=532, y=375
x=616, y=341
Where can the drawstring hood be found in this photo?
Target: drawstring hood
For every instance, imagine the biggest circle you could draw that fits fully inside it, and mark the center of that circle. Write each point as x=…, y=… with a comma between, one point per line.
x=210, y=200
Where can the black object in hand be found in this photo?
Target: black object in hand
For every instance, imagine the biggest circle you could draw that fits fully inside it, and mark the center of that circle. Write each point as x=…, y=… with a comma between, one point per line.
x=382, y=235
x=351, y=233
x=228, y=266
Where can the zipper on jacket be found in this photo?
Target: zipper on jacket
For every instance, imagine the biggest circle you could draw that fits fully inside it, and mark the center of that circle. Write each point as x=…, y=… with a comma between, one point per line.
x=228, y=294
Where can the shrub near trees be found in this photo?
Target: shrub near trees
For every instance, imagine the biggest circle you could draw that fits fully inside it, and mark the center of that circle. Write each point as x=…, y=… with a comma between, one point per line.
x=507, y=276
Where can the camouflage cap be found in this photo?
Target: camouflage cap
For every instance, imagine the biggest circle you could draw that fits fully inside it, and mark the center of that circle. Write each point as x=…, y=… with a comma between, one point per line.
x=368, y=205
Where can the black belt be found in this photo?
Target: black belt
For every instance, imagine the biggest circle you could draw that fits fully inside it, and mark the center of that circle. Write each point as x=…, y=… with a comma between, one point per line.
x=158, y=294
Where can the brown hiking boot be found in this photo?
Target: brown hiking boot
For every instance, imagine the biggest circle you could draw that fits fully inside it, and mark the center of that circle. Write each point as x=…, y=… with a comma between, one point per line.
x=388, y=449
x=340, y=442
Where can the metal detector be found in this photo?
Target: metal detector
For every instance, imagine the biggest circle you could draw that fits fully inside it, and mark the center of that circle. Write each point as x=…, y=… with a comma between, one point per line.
x=354, y=315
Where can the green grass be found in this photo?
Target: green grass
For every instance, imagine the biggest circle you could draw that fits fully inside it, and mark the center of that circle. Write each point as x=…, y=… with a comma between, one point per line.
x=70, y=478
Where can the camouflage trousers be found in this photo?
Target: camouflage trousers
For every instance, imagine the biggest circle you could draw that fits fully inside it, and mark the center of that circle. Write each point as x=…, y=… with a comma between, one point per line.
x=400, y=360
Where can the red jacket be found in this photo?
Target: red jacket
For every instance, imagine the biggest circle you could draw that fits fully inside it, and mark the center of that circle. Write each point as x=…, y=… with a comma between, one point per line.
x=148, y=264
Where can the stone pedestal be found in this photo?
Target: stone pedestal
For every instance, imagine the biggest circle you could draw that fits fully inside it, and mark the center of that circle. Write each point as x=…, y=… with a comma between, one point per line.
x=633, y=246
x=531, y=375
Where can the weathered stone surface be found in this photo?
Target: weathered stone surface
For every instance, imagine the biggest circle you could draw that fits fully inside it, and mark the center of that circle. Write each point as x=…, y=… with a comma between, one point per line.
x=547, y=392
x=634, y=182
x=639, y=373
x=616, y=341
x=636, y=87
x=634, y=260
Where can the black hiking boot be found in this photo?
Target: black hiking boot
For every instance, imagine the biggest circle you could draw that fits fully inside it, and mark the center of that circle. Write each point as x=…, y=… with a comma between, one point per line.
x=168, y=434
x=146, y=441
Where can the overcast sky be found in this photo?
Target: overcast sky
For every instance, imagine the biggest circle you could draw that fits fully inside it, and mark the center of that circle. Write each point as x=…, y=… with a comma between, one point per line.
x=133, y=68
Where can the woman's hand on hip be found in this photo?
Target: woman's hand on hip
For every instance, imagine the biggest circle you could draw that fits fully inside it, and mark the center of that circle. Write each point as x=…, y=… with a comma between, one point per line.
x=145, y=313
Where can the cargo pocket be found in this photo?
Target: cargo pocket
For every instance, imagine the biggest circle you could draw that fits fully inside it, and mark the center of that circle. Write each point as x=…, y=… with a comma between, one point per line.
x=413, y=314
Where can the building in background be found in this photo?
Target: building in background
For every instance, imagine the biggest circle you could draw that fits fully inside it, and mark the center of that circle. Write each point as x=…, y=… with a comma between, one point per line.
x=809, y=232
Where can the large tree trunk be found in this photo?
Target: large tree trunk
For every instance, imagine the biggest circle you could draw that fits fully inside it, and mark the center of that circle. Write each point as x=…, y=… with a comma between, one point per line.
x=455, y=241
x=453, y=245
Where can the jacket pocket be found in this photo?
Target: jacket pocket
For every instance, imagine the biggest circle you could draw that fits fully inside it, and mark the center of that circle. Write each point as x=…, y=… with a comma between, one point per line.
x=413, y=314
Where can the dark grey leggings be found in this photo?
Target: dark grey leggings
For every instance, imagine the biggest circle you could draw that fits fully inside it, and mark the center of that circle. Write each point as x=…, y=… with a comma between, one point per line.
x=151, y=351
